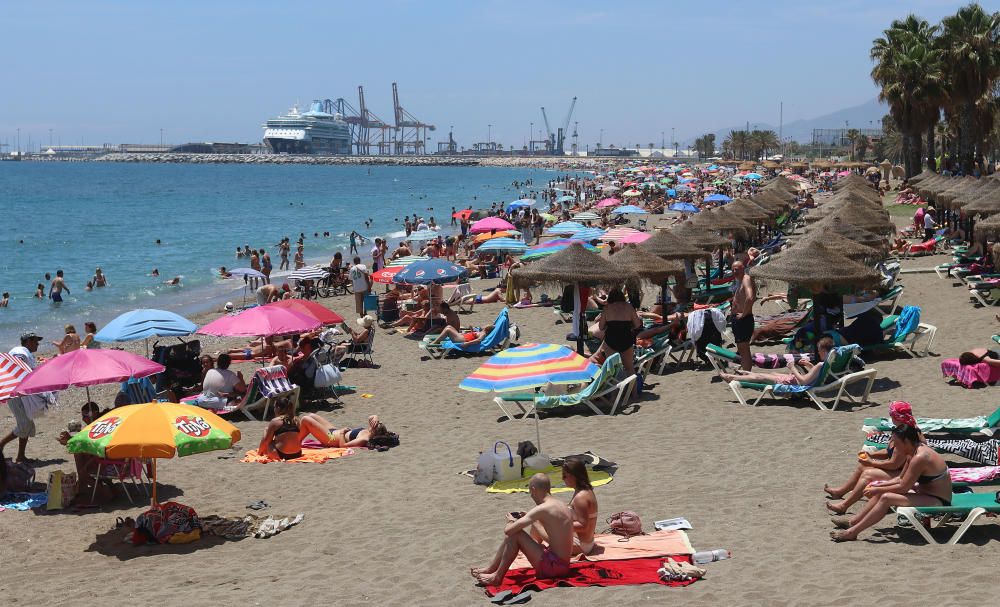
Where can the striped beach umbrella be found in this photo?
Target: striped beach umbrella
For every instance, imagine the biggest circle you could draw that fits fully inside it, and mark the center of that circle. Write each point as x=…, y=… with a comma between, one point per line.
x=12, y=371
x=422, y=235
x=530, y=366
x=617, y=234
x=309, y=273
x=503, y=245
x=552, y=246
x=481, y=238
x=630, y=209
x=405, y=261
x=588, y=234
x=586, y=216
x=565, y=227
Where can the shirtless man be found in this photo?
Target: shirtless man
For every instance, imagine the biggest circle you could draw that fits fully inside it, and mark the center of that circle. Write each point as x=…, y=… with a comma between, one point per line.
x=268, y=293
x=555, y=518
x=57, y=287
x=741, y=317
x=254, y=265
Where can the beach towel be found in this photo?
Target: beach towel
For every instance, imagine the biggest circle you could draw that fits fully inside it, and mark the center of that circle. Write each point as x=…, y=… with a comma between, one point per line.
x=696, y=322
x=610, y=547
x=520, y=485
x=777, y=325
x=241, y=527
x=778, y=361
x=931, y=424
x=984, y=452
x=309, y=456
x=907, y=322
x=22, y=501
x=970, y=376
x=983, y=474
x=604, y=573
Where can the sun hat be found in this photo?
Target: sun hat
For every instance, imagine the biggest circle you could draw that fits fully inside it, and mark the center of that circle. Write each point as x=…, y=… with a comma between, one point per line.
x=365, y=322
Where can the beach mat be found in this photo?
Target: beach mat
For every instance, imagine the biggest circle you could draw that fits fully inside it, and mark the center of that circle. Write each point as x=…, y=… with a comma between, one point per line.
x=22, y=501
x=309, y=456
x=629, y=572
x=610, y=547
x=520, y=485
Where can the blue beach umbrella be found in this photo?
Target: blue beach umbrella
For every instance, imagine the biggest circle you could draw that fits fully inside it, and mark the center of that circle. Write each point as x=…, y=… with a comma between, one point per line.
x=587, y=234
x=684, y=207
x=422, y=235
x=432, y=271
x=503, y=245
x=630, y=208
x=143, y=324
x=718, y=198
x=672, y=193
x=565, y=227
x=566, y=199
x=754, y=176
x=553, y=246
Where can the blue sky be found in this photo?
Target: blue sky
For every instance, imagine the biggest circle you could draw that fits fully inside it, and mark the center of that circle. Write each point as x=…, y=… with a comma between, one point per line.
x=214, y=71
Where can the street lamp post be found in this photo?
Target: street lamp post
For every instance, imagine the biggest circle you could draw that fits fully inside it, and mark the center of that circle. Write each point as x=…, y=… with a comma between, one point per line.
x=161, y=138
x=600, y=142
x=489, y=135
x=531, y=134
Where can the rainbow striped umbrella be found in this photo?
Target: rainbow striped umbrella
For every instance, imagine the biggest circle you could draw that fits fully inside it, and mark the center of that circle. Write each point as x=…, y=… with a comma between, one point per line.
x=530, y=366
x=405, y=261
x=553, y=246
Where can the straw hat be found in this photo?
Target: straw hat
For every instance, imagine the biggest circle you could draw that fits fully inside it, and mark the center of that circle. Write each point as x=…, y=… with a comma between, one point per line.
x=366, y=321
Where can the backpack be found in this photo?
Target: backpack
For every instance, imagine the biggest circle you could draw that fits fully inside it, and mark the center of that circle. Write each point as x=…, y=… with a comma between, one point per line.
x=625, y=523
x=17, y=477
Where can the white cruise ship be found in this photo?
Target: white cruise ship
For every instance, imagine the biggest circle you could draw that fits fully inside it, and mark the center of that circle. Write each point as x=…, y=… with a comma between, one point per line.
x=312, y=132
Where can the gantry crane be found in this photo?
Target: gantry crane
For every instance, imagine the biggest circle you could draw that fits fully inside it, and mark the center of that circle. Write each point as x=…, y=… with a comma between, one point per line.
x=410, y=135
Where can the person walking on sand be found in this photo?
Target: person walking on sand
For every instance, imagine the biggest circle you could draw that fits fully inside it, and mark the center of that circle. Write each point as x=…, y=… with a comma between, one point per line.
x=25, y=408
x=57, y=287
x=361, y=283
x=556, y=521
x=741, y=317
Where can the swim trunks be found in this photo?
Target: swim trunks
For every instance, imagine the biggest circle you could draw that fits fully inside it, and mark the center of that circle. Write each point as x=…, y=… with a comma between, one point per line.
x=551, y=566
x=57, y=297
x=742, y=328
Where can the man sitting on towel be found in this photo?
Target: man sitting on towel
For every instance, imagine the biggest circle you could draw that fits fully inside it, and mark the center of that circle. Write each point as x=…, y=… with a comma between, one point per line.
x=550, y=561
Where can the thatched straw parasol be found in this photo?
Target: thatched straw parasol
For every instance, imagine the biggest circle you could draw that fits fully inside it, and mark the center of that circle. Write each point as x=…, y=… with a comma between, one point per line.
x=985, y=188
x=668, y=245
x=988, y=229
x=841, y=244
x=637, y=260
x=721, y=220
x=749, y=211
x=576, y=266
x=837, y=225
x=699, y=236
x=771, y=200
x=815, y=265
x=984, y=205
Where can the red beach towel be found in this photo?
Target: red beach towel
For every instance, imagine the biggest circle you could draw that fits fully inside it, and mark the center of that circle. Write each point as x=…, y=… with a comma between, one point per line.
x=586, y=573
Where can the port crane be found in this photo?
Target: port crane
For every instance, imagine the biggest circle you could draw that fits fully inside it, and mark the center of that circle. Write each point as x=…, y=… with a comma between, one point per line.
x=410, y=135
x=557, y=140
x=369, y=133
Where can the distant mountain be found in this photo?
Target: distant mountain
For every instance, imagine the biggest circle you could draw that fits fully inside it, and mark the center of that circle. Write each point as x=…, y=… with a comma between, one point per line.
x=857, y=117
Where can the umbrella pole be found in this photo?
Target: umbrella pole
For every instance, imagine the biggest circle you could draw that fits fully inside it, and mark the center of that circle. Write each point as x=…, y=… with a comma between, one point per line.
x=154, y=482
x=578, y=318
x=87, y=388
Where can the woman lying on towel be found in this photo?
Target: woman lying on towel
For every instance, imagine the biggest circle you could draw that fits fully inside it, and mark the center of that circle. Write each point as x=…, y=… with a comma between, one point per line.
x=466, y=338
x=284, y=434
x=924, y=481
x=795, y=378
x=975, y=367
x=882, y=465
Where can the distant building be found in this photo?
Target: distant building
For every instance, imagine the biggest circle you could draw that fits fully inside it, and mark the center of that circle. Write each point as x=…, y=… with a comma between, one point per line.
x=218, y=148
x=78, y=151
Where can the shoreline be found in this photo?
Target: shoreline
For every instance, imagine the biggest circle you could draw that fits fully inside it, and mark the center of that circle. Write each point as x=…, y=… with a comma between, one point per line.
x=537, y=162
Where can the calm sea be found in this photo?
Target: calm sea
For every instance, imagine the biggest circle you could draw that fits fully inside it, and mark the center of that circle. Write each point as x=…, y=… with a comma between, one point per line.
x=80, y=216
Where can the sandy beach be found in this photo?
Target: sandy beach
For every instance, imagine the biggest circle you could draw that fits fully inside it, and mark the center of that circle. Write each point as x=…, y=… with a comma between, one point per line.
x=403, y=527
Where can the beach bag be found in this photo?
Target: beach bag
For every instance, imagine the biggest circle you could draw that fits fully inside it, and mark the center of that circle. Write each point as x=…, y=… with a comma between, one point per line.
x=327, y=375
x=506, y=463
x=484, y=469
x=625, y=523
x=19, y=477
x=61, y=489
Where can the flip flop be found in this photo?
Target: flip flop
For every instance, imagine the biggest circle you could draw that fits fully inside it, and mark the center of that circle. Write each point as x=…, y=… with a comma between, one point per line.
x=500, y=597
x=519, y=599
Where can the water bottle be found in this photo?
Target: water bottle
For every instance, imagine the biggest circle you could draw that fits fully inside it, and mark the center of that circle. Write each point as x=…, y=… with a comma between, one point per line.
x=709, y=556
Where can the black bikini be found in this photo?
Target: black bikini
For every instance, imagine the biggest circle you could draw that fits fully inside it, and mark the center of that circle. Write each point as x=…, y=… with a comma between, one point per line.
x=927, y=479
x=619, y=335
x=285, y=428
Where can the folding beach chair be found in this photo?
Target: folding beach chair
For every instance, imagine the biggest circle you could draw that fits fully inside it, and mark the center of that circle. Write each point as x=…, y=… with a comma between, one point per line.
x=131, y=470
x=141, y=390
x=267, y=385
x=603, y=389
x=838, y=358
x=497, y=339
x=907, y=332
x=967, y=506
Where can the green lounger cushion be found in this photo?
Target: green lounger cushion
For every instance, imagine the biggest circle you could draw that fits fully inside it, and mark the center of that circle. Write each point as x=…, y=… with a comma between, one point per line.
x=964, y=502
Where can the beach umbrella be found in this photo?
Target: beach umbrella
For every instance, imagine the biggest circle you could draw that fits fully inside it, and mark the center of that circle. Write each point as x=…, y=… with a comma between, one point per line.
x=308, y=273
x=841, y=244
x=553, y=246
x=154, y=430
x=463, y=214
x=384, y=276
x=261, y=321
x=815, y=265
x=618, y=234
x=754, y=176
x=143, y=324
x=672, y=193
x=683, y=207
x=563, y=199
x=12, y=371
x=586, y=216
x=547, y=216
x=84, y=368
x=431, y=271
x=718, y=198
x=246, y=273
x=631, y=193
x=588, y=234
x=576, y=266
x=490, y=224
x=309, y=308
x=531, y=366
x=422, y=235
x=565, y=227
x=608, y=202
x=481, y=238
x=406, y=260
x=645, y=264
x=630, y=209
x=519, y=204
x=503, y=245
x=986, y=229
x=838, y=226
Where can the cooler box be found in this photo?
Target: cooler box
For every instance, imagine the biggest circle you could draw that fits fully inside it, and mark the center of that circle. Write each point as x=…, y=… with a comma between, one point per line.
x=371, y=302
x=506, y=464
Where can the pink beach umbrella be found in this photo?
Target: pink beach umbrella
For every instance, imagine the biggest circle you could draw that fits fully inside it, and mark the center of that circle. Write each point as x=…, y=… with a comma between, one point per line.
x=608, y=202
x=84, y=368
x=489, y=224
x=262, y=321
x=619, y=234
x=636, y=238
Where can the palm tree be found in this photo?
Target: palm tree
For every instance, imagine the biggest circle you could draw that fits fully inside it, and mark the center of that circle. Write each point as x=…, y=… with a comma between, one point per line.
x=901, y=58
x=852, y=136
x=738, y=143
x=970, y=40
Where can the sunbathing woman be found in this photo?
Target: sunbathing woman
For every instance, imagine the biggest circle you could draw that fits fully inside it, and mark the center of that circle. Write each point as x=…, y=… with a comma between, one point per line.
x=795, y=378
x=415, y=321
x=925, y=481
x=267, y=350
x=492, y=297
x=330, y=436
x=882, y=465
x=284, y=434
x=467, y=338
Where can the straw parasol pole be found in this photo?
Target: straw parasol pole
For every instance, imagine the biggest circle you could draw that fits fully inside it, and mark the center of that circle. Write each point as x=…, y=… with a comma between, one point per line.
x=573, y=265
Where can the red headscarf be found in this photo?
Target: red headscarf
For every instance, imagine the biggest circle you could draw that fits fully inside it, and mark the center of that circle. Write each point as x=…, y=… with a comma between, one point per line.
x=902, y=414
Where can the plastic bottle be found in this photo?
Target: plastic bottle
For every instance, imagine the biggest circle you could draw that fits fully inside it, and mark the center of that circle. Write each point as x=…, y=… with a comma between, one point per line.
x=708, y=556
